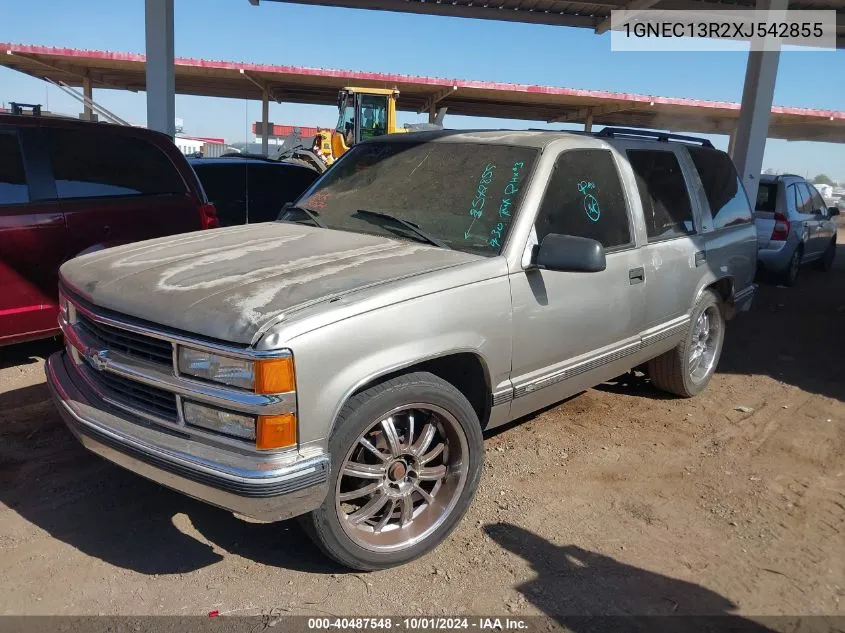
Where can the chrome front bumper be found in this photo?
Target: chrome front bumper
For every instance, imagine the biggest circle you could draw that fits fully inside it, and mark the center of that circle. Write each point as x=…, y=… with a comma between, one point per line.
x=262, y=488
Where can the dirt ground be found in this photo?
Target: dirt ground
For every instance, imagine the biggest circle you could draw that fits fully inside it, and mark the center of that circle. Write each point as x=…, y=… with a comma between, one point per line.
x=619, y=501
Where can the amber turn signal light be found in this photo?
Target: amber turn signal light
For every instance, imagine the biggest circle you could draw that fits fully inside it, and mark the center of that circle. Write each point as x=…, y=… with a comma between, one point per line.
x=274, y=375
x=275, y=431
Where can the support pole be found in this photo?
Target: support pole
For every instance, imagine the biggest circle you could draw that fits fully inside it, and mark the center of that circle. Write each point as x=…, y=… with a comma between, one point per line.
x=88, y=93
x=588, y=123
x=265, y=122
x=732, y=140
x=432, y=112
x=749, y=139
x=161, y=80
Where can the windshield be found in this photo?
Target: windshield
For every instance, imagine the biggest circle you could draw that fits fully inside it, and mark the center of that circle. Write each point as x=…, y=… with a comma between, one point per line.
x=463, y=195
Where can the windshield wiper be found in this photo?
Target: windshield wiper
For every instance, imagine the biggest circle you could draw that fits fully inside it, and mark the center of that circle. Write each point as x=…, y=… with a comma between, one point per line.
x=312, y=215
x=421, y=235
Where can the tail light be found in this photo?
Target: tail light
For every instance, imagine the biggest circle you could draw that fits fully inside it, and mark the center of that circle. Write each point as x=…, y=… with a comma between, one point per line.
x=781, y=231
x=208, y=216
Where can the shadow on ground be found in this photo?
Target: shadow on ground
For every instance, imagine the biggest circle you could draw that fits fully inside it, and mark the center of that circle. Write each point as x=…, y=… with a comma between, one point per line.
x=572, y=584
x=28, y=353
x=116, y=516
x=794, y=335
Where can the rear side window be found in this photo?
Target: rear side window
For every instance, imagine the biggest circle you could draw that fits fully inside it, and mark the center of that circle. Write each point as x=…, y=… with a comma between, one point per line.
x=663, y=193
x=723, y=188
x=13, y=187
x=94, y=163
x=224, y=182
x=767, y=195
x=585, y=198
x=225, y=186
x=284, y=183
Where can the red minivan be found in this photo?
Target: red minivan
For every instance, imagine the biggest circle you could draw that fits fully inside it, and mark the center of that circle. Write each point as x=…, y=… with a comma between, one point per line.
x=70, y=187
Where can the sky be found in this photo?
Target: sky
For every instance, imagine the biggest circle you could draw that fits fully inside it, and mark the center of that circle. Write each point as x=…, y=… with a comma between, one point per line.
x=277, y=33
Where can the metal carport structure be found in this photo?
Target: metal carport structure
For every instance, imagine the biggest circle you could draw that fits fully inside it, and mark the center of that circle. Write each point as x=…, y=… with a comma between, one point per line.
x=296, y=84
x=748, y=140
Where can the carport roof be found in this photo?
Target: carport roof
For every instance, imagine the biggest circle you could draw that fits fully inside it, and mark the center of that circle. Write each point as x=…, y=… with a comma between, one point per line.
x=295, y=84
x=591, y=14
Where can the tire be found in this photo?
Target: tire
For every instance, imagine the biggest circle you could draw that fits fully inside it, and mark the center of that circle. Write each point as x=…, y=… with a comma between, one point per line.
x=411, y=524
x=789, y=276
x=672, y=371
x=826, y=262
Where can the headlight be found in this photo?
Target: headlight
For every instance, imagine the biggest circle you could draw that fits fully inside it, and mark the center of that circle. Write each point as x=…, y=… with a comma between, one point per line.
x=235, y=424
x=272, y=375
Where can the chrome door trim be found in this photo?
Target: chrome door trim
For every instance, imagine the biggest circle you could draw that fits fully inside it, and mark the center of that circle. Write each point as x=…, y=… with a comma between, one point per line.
x=654, y=335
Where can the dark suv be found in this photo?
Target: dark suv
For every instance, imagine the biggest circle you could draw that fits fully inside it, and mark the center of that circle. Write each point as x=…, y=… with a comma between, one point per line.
x=69, y=187
x=246, y=190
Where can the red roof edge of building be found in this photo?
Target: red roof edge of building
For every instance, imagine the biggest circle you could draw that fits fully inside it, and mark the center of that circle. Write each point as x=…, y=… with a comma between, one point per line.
x=353, y=75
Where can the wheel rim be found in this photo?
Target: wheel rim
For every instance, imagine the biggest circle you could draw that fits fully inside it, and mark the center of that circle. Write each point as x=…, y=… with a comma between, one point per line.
x=706, y=339
x=402, y=478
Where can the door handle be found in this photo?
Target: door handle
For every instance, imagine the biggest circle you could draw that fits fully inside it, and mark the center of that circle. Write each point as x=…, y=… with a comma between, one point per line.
x=106, y=229
x=700, y=258
x=636, y=275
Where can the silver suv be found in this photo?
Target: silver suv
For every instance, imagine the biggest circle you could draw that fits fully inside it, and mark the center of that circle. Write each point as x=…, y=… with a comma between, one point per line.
x=343, y=362
x=794, y=227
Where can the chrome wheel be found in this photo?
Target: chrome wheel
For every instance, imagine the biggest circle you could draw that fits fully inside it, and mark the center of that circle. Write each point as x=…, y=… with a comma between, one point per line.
x=402, y=478
x=706, y=341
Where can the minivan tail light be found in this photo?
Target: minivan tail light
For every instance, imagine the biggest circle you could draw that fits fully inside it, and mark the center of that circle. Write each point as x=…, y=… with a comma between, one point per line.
x=781, y=231
x=208, y=216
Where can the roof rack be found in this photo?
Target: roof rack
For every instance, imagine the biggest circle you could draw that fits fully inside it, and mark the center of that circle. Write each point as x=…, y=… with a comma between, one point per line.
x=18, y=108
x=665, y=137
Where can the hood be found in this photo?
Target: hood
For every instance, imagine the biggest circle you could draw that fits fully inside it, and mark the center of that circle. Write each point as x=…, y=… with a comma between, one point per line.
x=230, y=284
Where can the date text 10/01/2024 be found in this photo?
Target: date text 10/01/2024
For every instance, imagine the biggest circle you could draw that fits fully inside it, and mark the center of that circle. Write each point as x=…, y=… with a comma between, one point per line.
x=419, y=623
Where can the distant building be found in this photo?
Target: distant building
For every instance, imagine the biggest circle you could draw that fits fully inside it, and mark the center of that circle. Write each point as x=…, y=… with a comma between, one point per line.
x=200, y=146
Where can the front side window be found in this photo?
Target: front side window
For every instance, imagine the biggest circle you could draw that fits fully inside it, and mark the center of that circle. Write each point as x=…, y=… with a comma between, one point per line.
x=346, y=120
x=13, y=187
x=663, y=194
x=93, y=163
x=464, y=195
x=723, y=188
x=803, y=202
x=817, y=202
x=585, y=199
x=373, y=116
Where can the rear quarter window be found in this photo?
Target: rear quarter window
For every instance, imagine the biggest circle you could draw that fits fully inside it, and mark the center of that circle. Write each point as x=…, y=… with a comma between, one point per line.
x=722, y=186
x=767, y=195
x=94, y=163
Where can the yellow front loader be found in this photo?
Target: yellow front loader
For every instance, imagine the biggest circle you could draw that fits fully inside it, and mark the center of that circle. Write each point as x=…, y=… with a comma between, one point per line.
x=362, y=113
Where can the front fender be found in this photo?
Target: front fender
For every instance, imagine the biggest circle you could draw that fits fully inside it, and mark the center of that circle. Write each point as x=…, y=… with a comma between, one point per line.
x=335, y=361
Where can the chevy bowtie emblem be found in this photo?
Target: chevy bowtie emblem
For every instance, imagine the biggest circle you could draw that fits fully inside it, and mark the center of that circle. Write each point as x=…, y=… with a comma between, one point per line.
x=98, y=359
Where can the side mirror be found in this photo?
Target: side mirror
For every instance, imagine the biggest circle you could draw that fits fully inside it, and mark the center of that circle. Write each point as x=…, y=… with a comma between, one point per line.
x=831, y=211
x=570, y=253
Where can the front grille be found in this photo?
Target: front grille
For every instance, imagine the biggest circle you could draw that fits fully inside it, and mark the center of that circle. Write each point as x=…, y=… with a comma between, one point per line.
x=133, y=394
x=136, y=345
